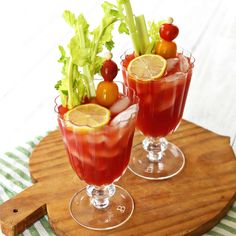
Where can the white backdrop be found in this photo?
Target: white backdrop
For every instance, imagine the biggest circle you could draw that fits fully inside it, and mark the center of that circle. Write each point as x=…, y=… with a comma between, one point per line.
x=30, y=32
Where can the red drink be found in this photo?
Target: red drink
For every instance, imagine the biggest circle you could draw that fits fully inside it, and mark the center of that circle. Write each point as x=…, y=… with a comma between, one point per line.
x=99, y=157
x=162, y=101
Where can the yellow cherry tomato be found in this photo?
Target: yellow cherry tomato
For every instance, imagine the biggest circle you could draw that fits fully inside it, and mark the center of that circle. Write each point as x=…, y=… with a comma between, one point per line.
x=166, y=49
x=107, y=93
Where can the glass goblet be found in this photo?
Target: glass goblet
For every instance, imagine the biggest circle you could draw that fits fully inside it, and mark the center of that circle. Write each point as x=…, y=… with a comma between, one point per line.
x=100, y=157
x=161, y=108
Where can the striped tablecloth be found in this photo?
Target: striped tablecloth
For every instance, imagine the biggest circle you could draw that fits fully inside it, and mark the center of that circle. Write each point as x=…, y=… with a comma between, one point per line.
x=14, y=177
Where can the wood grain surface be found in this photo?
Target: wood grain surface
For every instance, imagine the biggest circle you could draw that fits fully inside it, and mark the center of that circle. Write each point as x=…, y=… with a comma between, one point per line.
x=190, y=203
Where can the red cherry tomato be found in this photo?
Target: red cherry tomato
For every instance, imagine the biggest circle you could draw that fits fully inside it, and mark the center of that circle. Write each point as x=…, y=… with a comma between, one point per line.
x=85, y=100
x=168, y=32
x=109, y=70
x=128, y=59
x=107, y=93
x=62, y=110
x=166, y=49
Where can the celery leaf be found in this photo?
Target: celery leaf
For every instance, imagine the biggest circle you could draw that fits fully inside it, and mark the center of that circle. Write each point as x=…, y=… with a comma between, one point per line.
x=70, y=18
x=123, y=28
x=109, y=45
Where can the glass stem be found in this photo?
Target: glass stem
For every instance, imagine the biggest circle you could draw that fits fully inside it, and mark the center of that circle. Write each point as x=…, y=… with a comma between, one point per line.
x=155, y=147
x=100, y=195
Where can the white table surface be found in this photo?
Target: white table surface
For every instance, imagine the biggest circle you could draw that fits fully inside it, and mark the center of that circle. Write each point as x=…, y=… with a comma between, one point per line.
x=30, y=32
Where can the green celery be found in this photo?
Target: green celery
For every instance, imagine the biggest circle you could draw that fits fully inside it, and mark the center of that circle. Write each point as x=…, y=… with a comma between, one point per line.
x=70, y=84
x=142, y=33
x=89, y=77
x=144, y=41
x=129, y=19
x=100, y=35
x=84, y=61
x=153, y=32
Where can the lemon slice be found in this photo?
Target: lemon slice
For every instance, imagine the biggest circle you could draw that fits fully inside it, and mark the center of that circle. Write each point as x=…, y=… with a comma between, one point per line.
x=147, y=67
x=87, y=117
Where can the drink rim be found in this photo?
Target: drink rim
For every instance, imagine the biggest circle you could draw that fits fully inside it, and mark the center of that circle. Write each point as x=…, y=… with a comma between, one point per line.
x=184, y=52
x=135, y=101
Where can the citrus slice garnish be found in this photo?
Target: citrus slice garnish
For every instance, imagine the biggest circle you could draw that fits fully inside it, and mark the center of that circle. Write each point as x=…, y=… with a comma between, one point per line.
x=87, y=117
x=147, y=67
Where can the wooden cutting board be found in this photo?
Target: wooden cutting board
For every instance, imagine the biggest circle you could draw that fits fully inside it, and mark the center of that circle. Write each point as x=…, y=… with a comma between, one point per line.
x=190, y=203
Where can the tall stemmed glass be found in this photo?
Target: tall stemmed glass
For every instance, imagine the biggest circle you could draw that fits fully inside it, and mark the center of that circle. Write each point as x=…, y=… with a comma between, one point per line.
x=161, y=108
x=100, y=157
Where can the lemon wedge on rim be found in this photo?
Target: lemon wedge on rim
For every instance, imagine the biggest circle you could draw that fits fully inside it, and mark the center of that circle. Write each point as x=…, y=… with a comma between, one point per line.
x=147, y=67
x=87, y=117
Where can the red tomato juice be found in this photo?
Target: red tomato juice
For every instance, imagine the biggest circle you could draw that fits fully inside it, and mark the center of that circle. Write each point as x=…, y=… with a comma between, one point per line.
x=162, y=101
x=99, y=157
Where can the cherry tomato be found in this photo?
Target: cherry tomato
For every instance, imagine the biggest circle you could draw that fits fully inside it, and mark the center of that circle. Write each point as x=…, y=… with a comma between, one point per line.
x=62, y=110
x=169, y=32
x=109, y=70
x=166, y=49
x=85, y=100
x=107, y=93
x=128, y=59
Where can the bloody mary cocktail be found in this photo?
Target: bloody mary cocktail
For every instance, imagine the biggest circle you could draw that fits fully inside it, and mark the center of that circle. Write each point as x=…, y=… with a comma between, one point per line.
x=160, y=74
x=161, y=108
x=162, y=101
x=99, y=157
x=96, y=119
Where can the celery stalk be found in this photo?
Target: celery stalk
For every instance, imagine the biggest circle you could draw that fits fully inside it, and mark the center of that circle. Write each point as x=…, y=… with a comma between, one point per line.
x=142, y=33
x=70, y=84
x=89, y=77
x=150, y=48
x=101, y=33
x=84, y=61
x=132, y=27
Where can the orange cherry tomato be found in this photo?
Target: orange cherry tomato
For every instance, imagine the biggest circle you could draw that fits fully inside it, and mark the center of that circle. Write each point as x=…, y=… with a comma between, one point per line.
x=166, y=49
x=107, y=93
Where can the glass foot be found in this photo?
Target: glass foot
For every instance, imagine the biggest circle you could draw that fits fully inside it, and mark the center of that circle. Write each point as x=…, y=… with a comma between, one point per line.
x=156, y=160
x=115, y=213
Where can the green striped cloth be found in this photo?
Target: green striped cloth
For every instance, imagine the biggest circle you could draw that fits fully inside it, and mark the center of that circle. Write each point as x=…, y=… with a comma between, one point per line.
x=14, y=177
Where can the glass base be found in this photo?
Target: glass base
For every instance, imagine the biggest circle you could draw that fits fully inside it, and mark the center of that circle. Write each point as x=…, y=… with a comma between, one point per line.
x=116, y=213
x=164, y=161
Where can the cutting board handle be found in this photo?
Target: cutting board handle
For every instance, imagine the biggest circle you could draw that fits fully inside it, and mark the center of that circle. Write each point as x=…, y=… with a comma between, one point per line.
x=23, y=210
